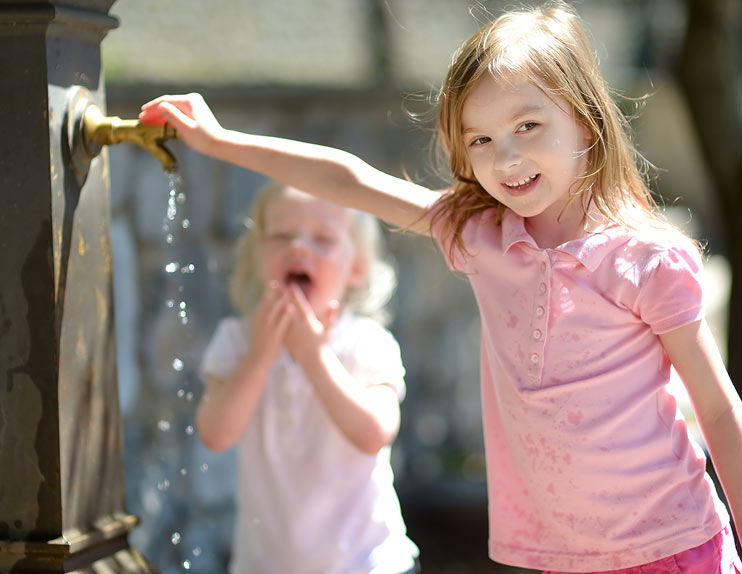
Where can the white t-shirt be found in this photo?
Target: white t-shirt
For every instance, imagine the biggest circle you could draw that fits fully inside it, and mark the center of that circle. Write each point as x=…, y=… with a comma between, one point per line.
x=308, y=500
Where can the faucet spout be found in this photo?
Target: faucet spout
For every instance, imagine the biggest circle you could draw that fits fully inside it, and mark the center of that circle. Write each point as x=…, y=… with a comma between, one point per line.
x=99, y=130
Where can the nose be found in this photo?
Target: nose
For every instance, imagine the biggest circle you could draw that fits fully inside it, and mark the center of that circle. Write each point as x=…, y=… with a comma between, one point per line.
x=506, y=156
x=299, y=243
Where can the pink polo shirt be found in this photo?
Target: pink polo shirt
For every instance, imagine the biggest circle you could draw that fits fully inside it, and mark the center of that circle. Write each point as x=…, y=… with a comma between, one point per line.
x=589, y=462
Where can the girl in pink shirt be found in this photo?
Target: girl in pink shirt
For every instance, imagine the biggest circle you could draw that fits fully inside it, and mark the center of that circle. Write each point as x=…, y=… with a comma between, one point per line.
x=588, y=297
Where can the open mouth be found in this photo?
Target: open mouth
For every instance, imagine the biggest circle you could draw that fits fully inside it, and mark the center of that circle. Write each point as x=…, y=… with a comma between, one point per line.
x=522, y=185
x=300, y=279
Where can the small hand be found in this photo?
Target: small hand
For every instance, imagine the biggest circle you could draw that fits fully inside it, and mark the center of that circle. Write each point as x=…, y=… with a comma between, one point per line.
x=307, y=333
x=270, y=322
x=189, y=114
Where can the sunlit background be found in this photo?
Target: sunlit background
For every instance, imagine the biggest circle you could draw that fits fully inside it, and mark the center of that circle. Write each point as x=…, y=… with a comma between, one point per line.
x=360, y=75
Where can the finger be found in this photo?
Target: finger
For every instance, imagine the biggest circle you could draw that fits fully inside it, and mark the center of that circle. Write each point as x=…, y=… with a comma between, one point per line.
x=151, y=116
x=330, y=316
x=167, y=98
x=281, y=321
x=279, y=306
x=173, y=115
x=300, y=300
x=284, y=318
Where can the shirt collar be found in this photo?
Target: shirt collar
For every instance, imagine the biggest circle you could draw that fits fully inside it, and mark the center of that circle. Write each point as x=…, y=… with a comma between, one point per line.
x=589, y=250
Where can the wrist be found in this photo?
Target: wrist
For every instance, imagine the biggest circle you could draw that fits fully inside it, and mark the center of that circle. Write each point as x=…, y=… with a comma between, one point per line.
x=313, y=358
x=256, y=361
x=218, y=142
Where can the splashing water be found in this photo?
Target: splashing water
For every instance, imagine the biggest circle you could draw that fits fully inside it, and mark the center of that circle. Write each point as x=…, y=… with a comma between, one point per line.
x=170, y=225
x=179, y=271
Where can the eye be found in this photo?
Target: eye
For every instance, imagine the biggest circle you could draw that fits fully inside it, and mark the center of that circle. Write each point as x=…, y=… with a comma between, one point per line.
x=527, y=126
x=480, y=141
x=324, y=238
x=283, y=236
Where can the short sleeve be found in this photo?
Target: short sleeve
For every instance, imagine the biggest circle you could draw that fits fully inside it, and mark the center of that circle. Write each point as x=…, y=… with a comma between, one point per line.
x=376, y=357
x=672, y=295
x=224, y=351
x=438, y=227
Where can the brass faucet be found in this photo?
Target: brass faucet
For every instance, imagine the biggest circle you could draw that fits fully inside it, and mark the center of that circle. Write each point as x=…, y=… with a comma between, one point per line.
x=107, y=130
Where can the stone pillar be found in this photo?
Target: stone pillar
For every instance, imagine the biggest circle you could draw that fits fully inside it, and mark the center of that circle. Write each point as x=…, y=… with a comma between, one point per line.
x=61, y=464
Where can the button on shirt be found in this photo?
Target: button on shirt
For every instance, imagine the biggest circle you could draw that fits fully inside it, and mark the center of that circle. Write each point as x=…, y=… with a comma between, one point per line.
x=589, y=463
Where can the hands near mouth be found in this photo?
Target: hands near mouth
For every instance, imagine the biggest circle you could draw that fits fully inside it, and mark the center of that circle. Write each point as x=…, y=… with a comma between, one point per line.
x=284, y=317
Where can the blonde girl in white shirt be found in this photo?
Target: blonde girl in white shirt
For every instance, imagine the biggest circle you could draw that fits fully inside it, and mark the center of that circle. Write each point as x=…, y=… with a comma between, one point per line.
x=307, y=385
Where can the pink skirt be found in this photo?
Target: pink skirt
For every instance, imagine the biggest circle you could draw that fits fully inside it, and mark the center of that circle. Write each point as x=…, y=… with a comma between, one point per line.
x=717, y=556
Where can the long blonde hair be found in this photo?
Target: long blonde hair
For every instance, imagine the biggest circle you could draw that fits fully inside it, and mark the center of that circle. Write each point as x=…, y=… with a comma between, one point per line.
x=548, y=46
x=369, y=298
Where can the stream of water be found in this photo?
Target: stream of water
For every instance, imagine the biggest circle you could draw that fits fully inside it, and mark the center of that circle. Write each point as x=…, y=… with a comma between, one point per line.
x=175, y=224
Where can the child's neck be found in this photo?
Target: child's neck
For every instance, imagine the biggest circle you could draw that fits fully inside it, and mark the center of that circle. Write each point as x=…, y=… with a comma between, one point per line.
x=549, y=232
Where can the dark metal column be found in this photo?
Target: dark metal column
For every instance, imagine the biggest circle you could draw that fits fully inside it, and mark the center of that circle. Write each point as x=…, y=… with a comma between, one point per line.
x=61, y=465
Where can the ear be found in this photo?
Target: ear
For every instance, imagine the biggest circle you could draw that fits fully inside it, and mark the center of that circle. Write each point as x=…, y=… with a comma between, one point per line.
x=358, y=271
x=587, y=135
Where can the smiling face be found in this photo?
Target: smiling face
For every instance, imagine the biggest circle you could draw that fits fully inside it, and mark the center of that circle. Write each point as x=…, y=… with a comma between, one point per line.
x=524, y=147
x=308, y=242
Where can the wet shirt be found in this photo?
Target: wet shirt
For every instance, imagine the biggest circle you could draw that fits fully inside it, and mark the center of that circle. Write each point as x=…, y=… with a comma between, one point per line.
x=589, y=462
x=307, y=499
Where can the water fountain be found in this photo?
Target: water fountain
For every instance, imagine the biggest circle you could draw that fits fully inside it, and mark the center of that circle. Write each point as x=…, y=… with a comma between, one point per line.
x=62, y=506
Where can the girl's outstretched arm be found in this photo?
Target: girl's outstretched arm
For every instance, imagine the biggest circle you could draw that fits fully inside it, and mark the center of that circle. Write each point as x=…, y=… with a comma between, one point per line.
x=326, y=172
x=718, y=408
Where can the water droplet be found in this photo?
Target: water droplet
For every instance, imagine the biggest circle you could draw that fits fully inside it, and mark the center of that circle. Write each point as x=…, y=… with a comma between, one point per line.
x=197, y=551
x=163, y=425
x=184, y=320
x=183, y=472
x=189, y=396
x=204, y=467
x=175, y=538
x=164, y=484
x=170, y=303
x=180, y=393
x=190, y=268
x=181, y=197
x=172, y=267
x=189, y=430
x=169, y=238
x=187, y=564
x=177, y=365
x=182, y=305
x=185, y=224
